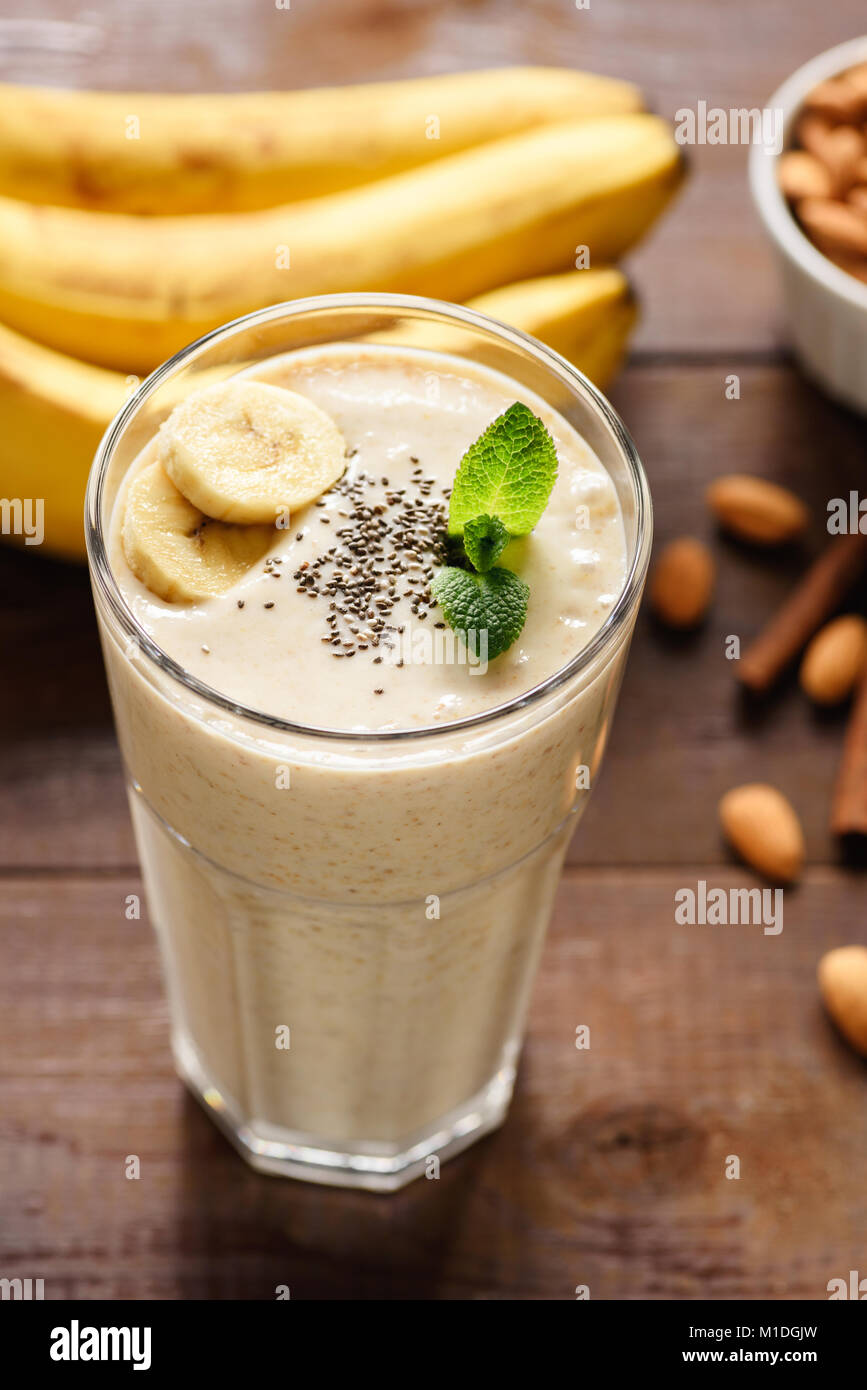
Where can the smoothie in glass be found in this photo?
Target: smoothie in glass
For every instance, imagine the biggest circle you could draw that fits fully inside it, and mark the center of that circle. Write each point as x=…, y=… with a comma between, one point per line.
x=350, y=825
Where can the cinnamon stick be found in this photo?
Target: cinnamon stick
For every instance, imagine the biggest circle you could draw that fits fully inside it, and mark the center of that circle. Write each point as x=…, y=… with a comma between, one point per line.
x=849, y=807
x=816, y=597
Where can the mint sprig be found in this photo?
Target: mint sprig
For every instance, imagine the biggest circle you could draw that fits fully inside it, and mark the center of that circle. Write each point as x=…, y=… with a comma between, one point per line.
x=501, y=489
x=488, y=610
x=509, y=473
x=485, y=539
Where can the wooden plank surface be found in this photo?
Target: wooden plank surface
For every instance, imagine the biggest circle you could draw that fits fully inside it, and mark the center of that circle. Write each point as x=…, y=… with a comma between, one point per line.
x=610, y=1170
x=705, y=1042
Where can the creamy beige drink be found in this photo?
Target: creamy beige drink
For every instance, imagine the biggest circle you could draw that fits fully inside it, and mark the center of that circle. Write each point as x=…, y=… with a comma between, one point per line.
x=314, y=632
x=350, y=918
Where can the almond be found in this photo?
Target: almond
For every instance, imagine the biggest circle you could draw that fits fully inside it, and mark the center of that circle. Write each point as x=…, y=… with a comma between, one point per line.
x=853, y=265
x=682, y=583
x=843, y=985
x=757, y=510
x=834, y=660
x=839, y=98
x=833, y=226
x=801, y=175
x=842, y=150
x=812, y=132
x=856, y=83
x=764, y=829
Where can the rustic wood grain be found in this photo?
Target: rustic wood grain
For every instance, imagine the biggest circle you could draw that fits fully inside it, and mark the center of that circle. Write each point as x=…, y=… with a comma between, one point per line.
x=705, y=1042
x=684, y=732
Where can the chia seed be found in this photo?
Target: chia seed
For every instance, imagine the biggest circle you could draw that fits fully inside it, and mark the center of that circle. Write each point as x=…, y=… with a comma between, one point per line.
x=358, y=577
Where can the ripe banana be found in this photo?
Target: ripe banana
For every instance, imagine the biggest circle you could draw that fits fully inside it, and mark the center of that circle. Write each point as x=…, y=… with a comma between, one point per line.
x=176, y=551
x=128, y=292
x=55, y=409
x=602, y=356
x=246, y=451
x=149, y=153
x=585, y=315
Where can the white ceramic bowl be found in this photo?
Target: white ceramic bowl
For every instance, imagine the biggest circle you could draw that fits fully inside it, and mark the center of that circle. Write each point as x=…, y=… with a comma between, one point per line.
x=827, y=308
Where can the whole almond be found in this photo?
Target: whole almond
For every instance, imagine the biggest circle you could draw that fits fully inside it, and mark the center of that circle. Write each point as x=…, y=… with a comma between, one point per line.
x=856, y=83
x=757, y=510
x=857, y=196
x=801, y=175
x=764, y=829
x=853, y=265
x=843, y=985
x=682, y=582
x=834, y=226
x=812, y=131
x=835, y=660
x=838, y=98
x=842, y=149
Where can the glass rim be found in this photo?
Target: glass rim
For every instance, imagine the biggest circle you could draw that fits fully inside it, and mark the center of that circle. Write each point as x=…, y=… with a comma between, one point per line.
x=107, y=586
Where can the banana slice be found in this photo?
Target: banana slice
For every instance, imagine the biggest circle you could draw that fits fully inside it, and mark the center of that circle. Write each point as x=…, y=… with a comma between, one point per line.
x=247, y=451
x=180, y=554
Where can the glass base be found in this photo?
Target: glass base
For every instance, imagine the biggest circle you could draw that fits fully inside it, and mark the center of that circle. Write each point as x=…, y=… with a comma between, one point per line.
x=376, y=1167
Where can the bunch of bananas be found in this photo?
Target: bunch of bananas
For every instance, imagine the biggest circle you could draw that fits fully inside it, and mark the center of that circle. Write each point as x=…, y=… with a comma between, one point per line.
x=131, y=224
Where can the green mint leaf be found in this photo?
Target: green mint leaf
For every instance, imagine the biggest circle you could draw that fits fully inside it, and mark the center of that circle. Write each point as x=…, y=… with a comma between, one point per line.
x=485, y=539
x=487, y=611
x=509, y=473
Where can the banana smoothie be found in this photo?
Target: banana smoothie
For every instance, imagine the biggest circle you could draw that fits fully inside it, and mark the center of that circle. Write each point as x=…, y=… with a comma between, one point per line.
x=349, y=866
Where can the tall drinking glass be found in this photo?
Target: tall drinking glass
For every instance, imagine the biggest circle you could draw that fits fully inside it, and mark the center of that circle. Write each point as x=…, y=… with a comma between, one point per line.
x=346, y=1000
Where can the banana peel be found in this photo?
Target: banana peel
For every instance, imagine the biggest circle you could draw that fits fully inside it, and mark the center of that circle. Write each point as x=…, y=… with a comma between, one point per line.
x=127, y=292
x=55, y=408
x=148, y=153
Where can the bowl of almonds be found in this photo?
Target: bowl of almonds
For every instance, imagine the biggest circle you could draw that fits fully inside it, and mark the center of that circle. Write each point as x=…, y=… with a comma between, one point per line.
x=812, y=199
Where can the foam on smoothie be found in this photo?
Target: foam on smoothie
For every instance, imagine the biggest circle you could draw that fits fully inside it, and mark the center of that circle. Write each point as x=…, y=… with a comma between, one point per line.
x=368, y=650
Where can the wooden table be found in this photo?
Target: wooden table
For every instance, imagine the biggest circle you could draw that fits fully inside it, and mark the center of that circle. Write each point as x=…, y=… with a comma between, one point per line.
x=706, y=1042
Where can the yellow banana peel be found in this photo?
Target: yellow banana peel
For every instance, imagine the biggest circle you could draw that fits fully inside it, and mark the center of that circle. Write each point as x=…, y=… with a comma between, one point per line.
x=162, y=154
x=55, y=408
x=127, y=292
